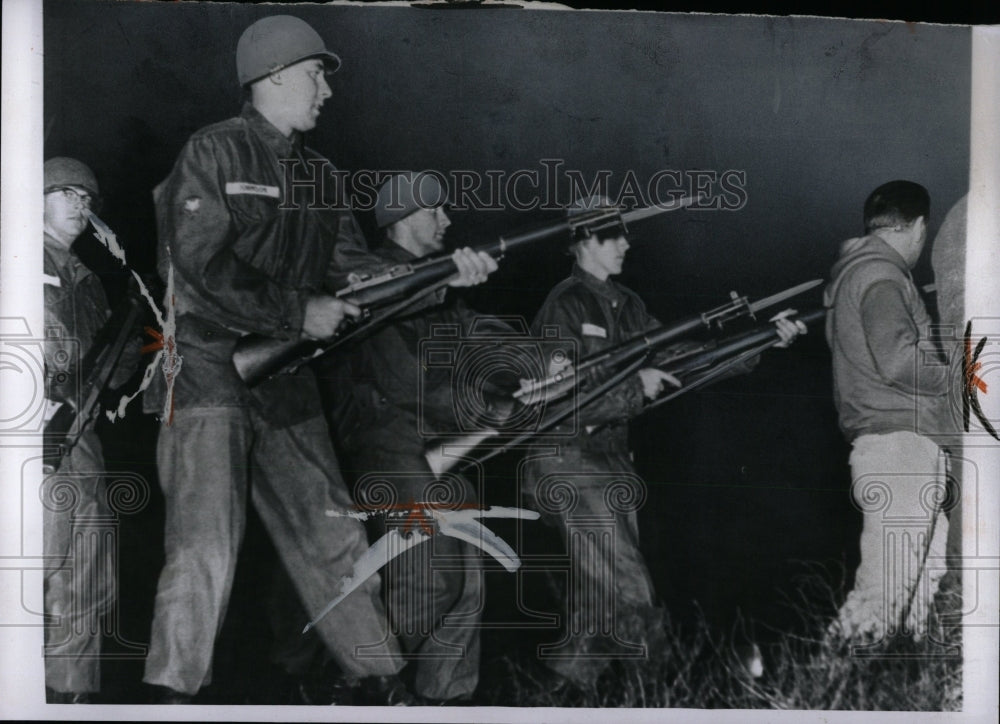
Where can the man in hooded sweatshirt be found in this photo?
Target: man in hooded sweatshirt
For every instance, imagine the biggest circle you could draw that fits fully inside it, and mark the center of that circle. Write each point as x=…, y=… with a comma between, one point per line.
x=890, y=389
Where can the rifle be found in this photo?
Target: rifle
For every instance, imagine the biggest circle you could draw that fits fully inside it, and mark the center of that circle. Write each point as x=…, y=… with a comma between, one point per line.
x=554, y=386
x=442, y=456
x=709, y=362
x=66, y=426
x=258, y=357
x=635, y=352
x=702, y=365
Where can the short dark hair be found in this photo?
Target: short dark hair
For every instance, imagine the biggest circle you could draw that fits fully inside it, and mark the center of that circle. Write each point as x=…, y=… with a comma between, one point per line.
x=896, y=203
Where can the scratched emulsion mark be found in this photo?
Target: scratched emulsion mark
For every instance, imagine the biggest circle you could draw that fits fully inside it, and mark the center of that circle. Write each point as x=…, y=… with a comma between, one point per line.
x=455, y=521
x=974, y=384
x=164, y=343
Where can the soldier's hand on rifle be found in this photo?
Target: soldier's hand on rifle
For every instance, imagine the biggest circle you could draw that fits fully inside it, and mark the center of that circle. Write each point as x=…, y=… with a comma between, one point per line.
x=788, y=329
x=653, y=379
x=473, y=267
x=324, y=315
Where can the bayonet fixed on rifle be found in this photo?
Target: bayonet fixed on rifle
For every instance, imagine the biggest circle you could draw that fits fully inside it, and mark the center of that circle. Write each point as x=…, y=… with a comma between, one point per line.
x=258, y=357
x=715, y=351
x=707, y=363
x=559, y=383
x=696, y=366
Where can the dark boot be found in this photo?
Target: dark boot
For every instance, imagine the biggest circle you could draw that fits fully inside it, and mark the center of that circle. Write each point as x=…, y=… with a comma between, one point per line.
x=324, y=688
x=166, y=695
x=386, y=691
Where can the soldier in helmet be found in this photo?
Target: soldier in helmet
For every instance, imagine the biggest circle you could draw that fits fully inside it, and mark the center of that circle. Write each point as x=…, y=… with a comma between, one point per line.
x=589, y=490
x=434, y=592
x=76, y=308
x=248, y=251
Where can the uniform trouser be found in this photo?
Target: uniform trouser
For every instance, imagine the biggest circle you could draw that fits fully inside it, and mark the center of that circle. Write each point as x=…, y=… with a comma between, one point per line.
x=207, y=458
x=609, y=600
x=434, y=592
x=79, y=585
x=899, y=483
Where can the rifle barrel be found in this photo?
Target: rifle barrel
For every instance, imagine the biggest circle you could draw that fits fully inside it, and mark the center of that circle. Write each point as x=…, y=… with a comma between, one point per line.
x=438, y=267
x=736, y=344
x=257, y=357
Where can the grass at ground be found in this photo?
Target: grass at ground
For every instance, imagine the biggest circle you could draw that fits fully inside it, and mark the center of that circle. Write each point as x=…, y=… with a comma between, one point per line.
x=699, y=668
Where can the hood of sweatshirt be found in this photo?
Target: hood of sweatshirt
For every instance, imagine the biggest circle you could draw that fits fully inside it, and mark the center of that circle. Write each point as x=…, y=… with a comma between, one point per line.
x=856, y=251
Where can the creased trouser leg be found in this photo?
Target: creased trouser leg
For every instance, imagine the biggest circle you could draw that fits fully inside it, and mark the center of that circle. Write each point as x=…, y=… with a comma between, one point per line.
x=293, y=651
x=609, y=598
x=898, y=484
x=79, y=585
x=296, y=480
x=434, y=592
x=202, y=461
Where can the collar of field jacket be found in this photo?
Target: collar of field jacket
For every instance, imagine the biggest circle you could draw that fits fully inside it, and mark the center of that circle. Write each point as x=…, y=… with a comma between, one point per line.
x=282, y=144
x=607, y=289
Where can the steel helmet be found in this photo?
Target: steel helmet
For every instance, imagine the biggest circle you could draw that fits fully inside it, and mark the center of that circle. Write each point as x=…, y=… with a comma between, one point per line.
x=276, y=42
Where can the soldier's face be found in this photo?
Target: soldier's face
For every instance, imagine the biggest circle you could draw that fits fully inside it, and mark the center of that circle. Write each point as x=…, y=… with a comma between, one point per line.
x=66, y=214
x=305, y=90
x=427, y=227
x=605, y=257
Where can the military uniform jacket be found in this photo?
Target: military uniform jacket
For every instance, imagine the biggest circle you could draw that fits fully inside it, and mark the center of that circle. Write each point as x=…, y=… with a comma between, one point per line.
x=591, y=316
x=383, y=393
x=75, y=310
x=248, y=221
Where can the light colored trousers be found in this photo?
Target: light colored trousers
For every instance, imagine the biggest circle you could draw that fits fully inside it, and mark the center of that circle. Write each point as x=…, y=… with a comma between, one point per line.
x=207, y=458
x=899, y=483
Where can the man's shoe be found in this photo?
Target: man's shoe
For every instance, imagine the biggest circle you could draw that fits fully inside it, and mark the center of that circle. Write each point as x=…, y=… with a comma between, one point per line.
x=166, y=695
x=386, y=691
x=68, y=697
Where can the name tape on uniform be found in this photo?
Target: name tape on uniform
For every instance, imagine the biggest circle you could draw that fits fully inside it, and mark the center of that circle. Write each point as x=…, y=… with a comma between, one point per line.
x=242, y=187
x=592, y=330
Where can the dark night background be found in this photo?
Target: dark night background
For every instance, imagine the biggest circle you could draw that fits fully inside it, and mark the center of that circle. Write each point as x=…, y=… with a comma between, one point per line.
x=747, y=481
